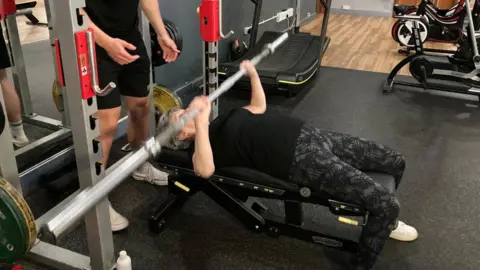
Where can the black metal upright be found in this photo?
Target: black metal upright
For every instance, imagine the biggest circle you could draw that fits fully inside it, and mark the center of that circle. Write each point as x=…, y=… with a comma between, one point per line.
x=255, y=23
x=324, y=42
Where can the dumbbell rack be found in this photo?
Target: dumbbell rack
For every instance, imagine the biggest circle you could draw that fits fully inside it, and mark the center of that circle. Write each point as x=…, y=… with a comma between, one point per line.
x=73, y=67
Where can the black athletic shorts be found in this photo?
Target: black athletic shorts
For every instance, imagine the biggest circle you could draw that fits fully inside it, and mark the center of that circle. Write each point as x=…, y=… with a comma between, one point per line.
x=132, y=80
x=4, y=56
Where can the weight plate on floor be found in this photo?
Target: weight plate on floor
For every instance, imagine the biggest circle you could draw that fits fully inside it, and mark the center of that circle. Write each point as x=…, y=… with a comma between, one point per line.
x=165, y=99
x=57, y=96
x=17, y=224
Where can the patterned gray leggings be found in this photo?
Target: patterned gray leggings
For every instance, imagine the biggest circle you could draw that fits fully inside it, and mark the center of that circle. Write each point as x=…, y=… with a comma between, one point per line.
x=331, y=162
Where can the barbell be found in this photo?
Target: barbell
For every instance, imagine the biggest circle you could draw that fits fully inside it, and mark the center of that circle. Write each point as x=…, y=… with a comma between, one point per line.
x=18, y=231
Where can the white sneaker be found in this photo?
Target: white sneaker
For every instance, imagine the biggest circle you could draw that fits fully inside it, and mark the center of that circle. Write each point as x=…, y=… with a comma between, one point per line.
x=151, y=174
x=118, y=222
x=404, y=232
x=20, y=141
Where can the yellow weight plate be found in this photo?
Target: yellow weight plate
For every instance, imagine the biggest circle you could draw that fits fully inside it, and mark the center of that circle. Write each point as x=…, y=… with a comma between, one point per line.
x=24, y=209
x=165, y=99
x=57, y=96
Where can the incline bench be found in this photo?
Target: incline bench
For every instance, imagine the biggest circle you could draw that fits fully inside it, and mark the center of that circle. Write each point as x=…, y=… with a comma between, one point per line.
x=232, y=187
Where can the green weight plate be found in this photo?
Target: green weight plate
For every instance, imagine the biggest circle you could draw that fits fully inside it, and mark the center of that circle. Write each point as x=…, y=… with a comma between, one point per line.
x=17, y=204
x=12, y=231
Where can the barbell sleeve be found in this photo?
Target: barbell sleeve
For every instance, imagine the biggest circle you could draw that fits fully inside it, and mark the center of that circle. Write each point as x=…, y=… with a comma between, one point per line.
x=91, y=196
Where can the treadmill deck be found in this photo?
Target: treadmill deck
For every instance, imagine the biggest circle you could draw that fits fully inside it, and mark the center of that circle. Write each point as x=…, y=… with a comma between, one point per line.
x=292, y=64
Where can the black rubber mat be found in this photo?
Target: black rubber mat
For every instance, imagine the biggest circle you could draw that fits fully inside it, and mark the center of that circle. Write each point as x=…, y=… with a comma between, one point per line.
x=41, y=152
x=438, y=137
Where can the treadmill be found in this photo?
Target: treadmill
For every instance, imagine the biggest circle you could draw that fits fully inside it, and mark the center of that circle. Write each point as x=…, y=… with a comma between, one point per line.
x=293, y=65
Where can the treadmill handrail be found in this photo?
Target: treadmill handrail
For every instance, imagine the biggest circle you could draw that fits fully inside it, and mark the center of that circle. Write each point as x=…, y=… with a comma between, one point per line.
x=255, y=23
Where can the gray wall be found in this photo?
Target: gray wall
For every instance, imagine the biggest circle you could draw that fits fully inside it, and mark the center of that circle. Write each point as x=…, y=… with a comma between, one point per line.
x=237, y=15
x=364, y=7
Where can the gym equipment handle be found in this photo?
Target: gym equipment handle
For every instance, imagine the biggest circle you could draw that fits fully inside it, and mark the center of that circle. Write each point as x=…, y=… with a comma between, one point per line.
x=23, y=12
x=93, y=69
x=88, y=198
x=229, y=34
x=408, y=17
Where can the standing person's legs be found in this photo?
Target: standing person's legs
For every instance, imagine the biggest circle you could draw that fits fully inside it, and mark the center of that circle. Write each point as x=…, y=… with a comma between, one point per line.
x=108, y=114
x=135, y=79
x=12, y=102
x=12, y=106
x=315, y=166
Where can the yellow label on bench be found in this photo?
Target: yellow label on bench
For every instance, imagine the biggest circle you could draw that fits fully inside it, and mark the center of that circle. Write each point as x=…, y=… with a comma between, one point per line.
x=348, y=221
x=182, y=186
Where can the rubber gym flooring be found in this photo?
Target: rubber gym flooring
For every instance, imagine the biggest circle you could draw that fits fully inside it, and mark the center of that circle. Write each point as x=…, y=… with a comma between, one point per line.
x=437, y=135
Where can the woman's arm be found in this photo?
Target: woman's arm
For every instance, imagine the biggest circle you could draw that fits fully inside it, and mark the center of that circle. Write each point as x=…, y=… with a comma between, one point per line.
x=202, y=159
x=258, y=102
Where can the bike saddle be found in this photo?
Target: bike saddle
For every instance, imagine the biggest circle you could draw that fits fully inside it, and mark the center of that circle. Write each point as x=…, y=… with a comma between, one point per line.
x=403, y=9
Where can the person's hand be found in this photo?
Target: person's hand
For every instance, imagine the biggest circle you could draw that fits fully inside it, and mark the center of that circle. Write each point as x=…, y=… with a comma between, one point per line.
x=204, y=106
x=251, y=71
x=117, y=49
x=169, y=48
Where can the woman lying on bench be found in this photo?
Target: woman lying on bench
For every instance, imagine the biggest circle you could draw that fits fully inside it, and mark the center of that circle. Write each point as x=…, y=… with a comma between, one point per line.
x=288, y=148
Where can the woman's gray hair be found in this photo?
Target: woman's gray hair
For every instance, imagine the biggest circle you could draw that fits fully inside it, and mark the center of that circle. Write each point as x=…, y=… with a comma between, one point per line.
x=174, y=143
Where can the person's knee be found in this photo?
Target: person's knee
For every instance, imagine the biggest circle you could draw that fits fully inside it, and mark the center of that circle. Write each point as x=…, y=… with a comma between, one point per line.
x=3, y=75
x=108, y=121
x=390, y=207
x=139, y=111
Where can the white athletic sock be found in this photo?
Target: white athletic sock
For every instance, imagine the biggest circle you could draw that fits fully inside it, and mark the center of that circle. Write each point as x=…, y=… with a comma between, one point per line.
x=17, y=129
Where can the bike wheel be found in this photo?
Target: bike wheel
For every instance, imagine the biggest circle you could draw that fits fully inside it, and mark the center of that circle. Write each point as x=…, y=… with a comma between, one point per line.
x=404, y=33
x=420, y=68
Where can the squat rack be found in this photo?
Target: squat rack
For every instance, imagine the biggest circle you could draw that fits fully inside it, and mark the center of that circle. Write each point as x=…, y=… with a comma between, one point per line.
x=20, y=80
x=31, y=176
x=75, y=62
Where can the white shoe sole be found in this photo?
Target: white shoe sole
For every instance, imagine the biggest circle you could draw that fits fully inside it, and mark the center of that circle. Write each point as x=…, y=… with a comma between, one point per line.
x=404, y=238
x=20, y=144
x=119, y=226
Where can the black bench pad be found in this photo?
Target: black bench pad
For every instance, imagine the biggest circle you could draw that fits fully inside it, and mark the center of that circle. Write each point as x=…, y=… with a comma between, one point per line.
x=180, y=159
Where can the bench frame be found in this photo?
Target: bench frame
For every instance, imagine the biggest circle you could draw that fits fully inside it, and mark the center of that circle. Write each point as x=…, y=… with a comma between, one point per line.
x=234, y=196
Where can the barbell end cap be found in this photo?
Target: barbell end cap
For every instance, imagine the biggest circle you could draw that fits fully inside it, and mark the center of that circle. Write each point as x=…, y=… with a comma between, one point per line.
x=46, y=235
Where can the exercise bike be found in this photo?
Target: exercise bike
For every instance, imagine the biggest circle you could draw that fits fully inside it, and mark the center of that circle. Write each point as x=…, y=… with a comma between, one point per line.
x=400, y=10
x=436, y=25
x=458, y=73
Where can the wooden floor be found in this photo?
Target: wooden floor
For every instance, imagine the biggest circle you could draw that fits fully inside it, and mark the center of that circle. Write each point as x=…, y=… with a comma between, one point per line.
x=30, y=33
x=357, y=42
x=362, y=43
